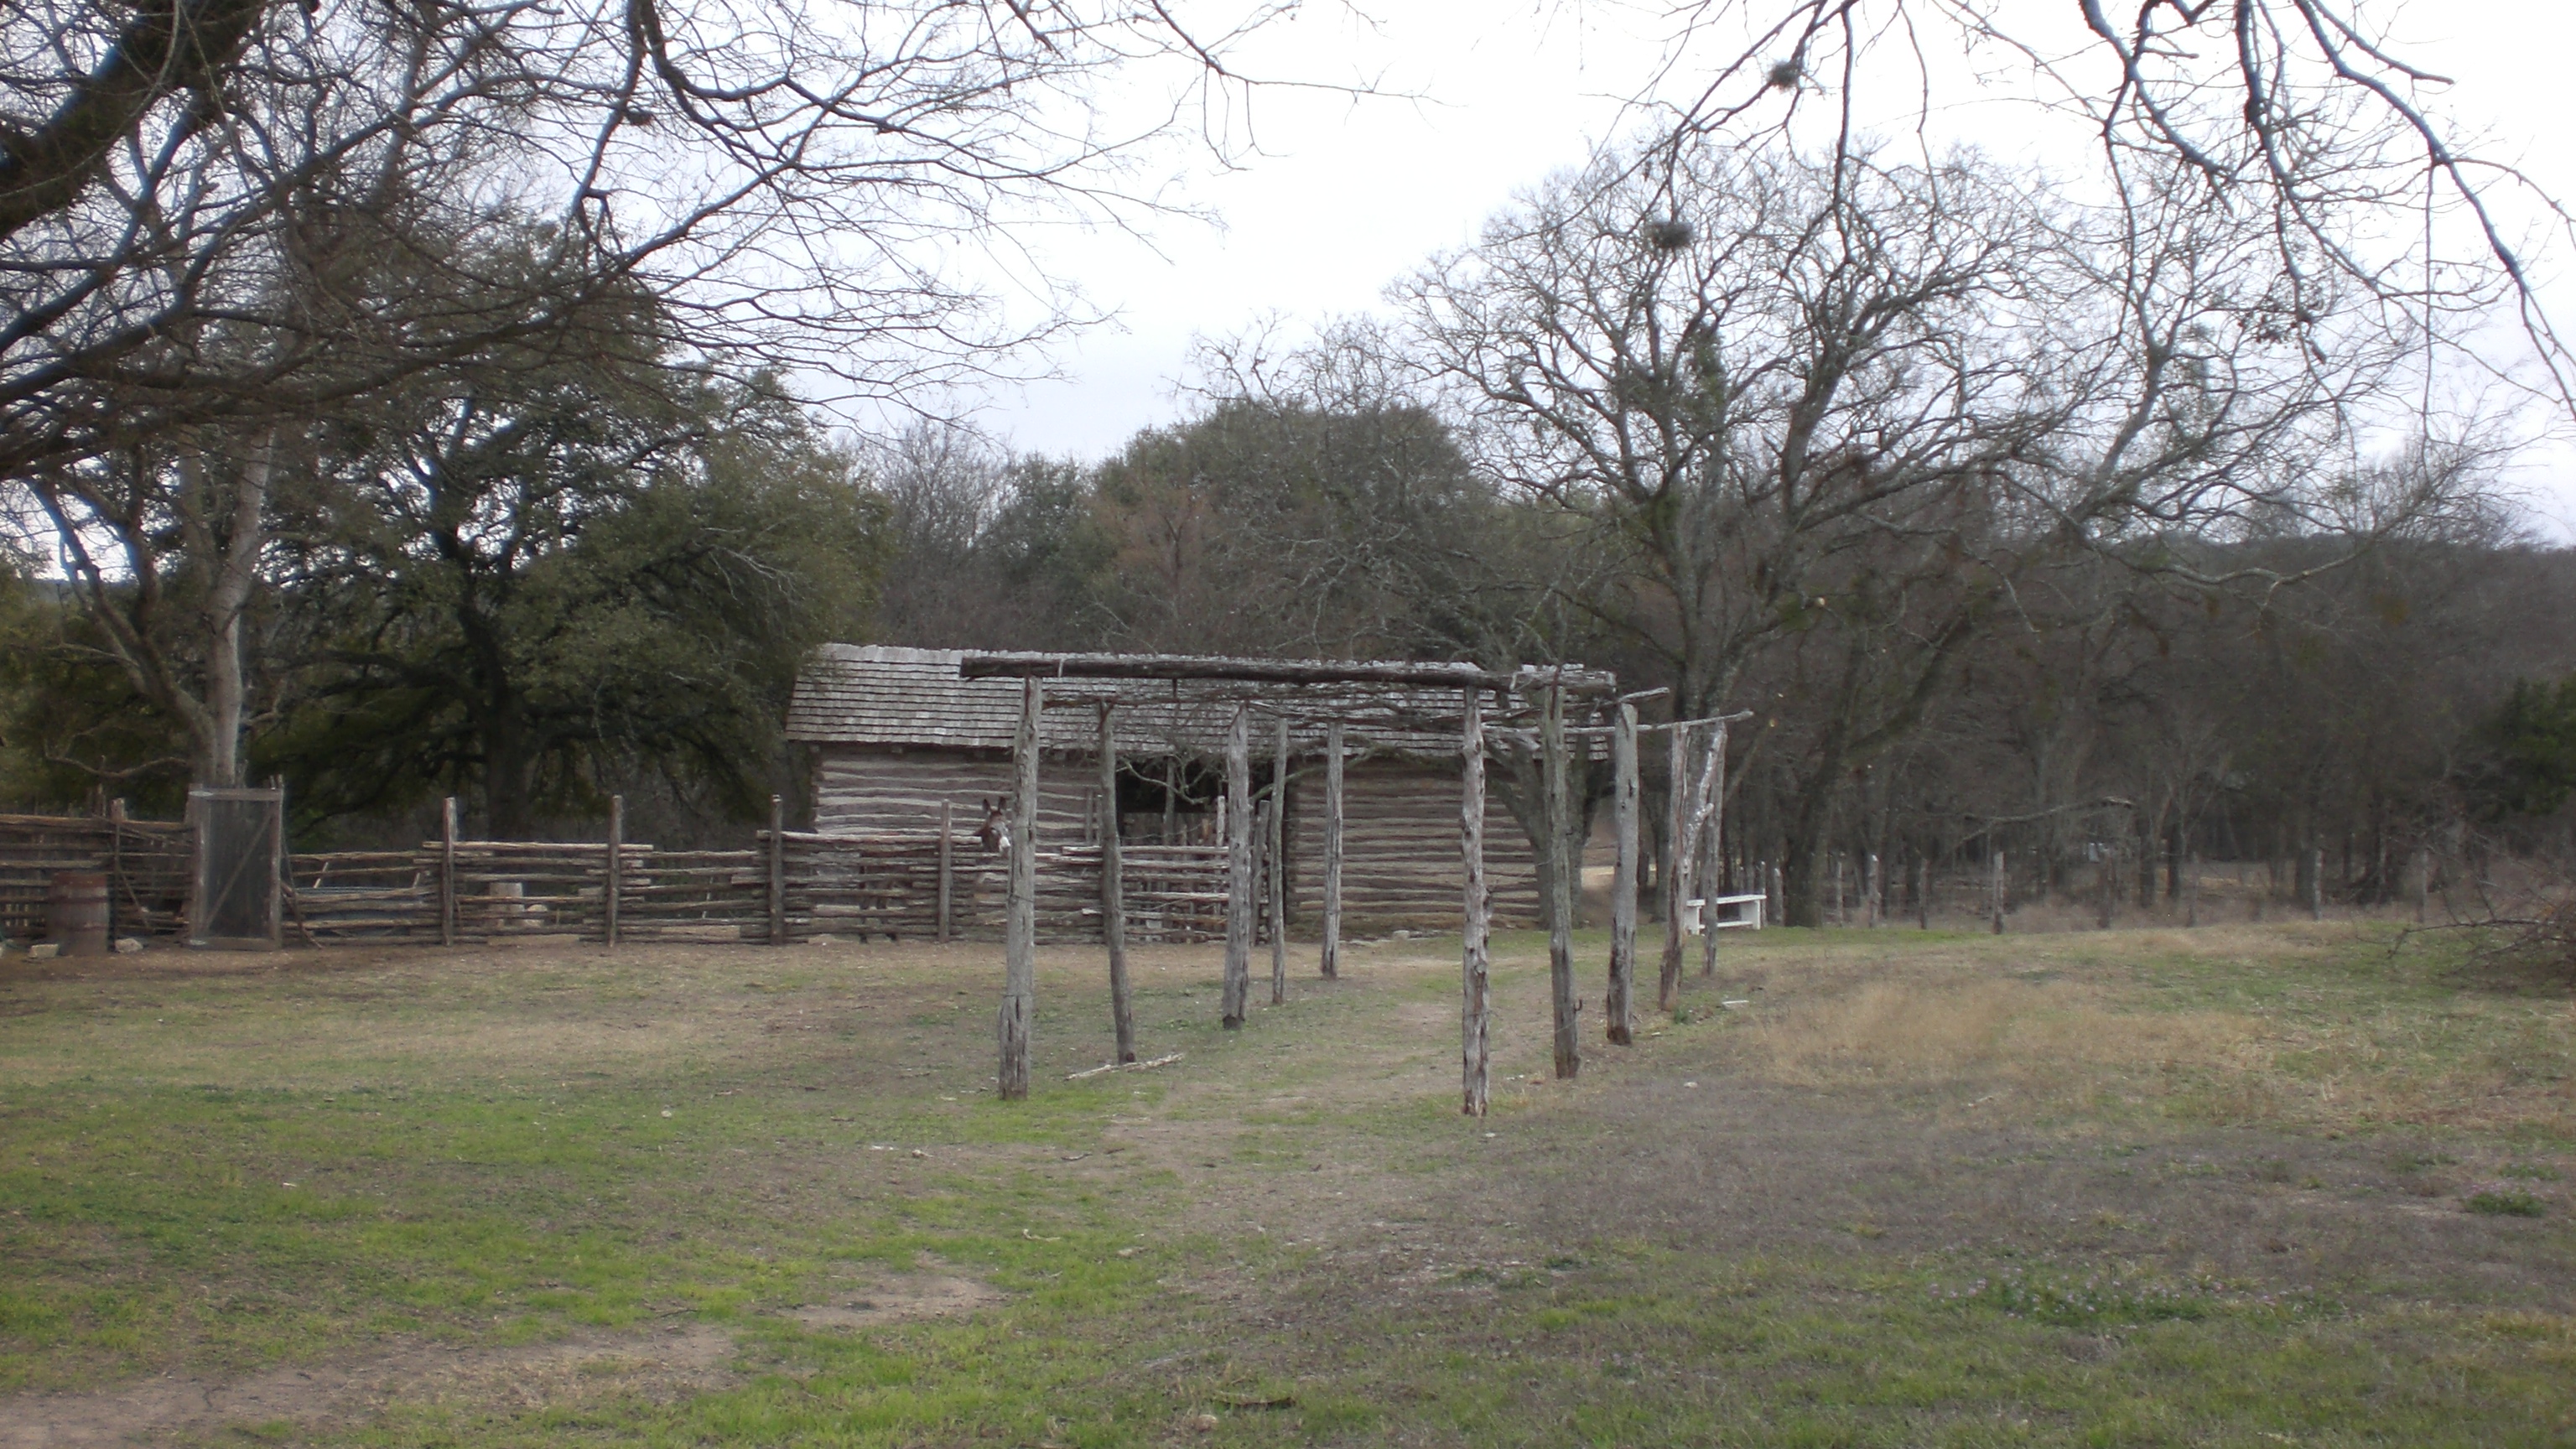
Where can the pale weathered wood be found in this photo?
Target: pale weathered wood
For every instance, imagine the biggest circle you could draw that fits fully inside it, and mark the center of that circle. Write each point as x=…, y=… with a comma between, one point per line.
x=777, y=871
x=947, y=872
x=447, y=871
x=1238, y=901
x=1873, y=899
x=1677, y=866
x=1619, y=1005
x=615, y=875
x=1475, y=965
x=1279, y=862
x=1712, y=809
x=1331, y=964
x=1565, y=1010
x=1020, y=911
x=1113, y=894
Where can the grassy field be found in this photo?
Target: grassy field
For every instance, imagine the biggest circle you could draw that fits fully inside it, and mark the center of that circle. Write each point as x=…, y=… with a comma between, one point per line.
x=2241, y=1186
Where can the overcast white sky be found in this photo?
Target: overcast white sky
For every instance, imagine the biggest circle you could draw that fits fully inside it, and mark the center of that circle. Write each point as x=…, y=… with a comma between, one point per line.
x=1344, y=196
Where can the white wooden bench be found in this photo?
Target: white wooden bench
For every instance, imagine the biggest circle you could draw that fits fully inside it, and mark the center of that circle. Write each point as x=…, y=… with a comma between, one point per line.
x=1734, y=913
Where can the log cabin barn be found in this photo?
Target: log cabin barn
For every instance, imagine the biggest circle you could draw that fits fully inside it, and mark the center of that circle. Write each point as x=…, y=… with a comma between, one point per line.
x=895, y=736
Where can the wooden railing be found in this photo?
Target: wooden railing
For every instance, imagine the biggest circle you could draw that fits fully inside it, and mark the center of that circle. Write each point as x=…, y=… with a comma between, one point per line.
x=146, y=862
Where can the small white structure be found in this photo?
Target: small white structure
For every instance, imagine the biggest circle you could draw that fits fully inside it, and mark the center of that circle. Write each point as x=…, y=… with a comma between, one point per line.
x=1734, y=913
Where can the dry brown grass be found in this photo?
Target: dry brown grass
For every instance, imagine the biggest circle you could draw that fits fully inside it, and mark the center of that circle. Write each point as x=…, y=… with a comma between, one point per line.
x=1985, y=1031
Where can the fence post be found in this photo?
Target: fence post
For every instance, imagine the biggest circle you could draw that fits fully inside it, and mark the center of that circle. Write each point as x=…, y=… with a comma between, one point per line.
x=944, y=877
x=447, y=872
x=616, y=861
x=1995, y=893
x=777, y=871
x=116, y=864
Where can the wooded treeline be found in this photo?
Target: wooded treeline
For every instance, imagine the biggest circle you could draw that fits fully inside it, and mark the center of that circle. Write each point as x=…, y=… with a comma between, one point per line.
x=421, y=401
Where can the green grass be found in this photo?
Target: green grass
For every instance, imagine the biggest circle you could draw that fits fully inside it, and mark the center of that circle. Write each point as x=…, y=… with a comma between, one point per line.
x=221, y=1172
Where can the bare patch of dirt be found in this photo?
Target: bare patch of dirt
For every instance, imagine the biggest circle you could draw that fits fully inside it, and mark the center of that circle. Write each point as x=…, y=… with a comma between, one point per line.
x=895, y=1300
x=661, y=1366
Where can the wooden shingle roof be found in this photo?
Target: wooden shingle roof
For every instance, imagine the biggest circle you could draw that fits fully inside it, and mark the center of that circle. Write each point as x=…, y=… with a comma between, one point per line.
x=884, y=695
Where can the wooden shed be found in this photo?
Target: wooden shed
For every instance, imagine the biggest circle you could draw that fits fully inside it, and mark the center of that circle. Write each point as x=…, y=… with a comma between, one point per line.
x=895, y=735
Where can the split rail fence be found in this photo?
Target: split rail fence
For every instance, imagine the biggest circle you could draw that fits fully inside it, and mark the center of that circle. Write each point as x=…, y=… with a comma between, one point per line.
x=791, y=886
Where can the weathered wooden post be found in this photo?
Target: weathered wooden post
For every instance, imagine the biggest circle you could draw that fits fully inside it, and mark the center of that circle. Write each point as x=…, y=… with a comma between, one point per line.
x=2316, y=883
x=447, y=871
x=777, y=871
x=1332, y=953
x=1712, y=809
x=1995, y=893
x=1279, y=863
x=1677, y=868
x=1869, y=910
x=1566, y=1010
x=947, y=874
x=1238, y=896
x=1113, y=893
x=615, y=881
x=1620, y=1004
x=1475, y=966
x=1020, y=911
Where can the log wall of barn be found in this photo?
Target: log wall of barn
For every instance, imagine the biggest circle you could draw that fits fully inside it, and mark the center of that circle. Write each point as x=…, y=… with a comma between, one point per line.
x=1400, y=864
x=863, y=790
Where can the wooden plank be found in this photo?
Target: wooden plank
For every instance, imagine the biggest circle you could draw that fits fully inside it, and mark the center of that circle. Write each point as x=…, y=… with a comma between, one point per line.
x=1331, y=964
x=1619, y=1002
x=1677, y=865
x=1019, y=946
x=1113, y=899
x=446, y=871
x=615, y=860
x=1565, y=1011
x=1238, y=909
x=1475, y=964
x=1278, y=850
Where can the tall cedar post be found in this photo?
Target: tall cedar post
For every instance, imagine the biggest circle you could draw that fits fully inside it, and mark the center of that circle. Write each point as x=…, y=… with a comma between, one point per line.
x=947, y=874
x=1279, y=864
x=2316, y=883
x=1995, y=893
x=1113, y=893
x=1332, y=954
x=1620, y=1005
x=1238, y=892
x=1677, y=869
x=616, y=879
x=1778, y=906
x=1712, y=809
x=447, y=872
x=777, y=871
x=1869, y=909
x=1475, y=965
x=1566, y=1011
x=1020, y=915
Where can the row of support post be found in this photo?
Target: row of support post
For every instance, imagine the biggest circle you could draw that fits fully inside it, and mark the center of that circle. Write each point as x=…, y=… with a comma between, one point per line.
x=1019, y=987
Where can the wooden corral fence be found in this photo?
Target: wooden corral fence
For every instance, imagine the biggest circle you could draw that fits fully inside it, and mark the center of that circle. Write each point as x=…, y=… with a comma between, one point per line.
x=810, y=885
x=791, y=886
x=146, y=862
